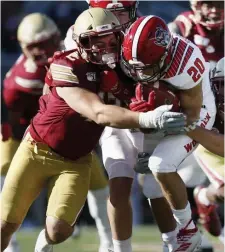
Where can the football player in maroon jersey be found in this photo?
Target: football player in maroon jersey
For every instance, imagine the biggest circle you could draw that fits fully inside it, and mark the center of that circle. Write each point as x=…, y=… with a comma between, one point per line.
x=204, y=26
x=57, y=146
x=38, y=37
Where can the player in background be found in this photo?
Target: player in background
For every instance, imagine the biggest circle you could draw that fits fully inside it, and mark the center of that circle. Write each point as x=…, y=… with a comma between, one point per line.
x=151, y=53
x=204, y=26
x=38, y=37
x=125, y=11
x=57, y=146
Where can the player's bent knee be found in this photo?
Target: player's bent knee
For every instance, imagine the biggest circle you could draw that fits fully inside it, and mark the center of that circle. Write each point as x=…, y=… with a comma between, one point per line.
x=151, y=188
x=120, y=189
x=57, y=230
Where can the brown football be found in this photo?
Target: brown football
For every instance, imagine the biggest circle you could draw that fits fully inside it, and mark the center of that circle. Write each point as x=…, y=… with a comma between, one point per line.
x=164, y=95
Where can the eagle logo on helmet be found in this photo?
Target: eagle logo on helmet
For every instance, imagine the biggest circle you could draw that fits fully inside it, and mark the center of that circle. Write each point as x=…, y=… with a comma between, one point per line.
x=162, y=37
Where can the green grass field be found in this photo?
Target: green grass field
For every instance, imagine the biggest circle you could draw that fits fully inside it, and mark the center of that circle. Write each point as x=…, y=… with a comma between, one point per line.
x=145, y=238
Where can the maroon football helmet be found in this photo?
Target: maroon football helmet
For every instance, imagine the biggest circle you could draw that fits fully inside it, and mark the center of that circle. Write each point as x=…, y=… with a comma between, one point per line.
x=209, y=13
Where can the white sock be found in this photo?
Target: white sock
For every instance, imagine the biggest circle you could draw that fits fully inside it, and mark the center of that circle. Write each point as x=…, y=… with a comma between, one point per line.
x=221, y=237
x=122, y=246
x=183, y=216
x=97, y=203
x=42, y=244
x=170, y=236
x=202, y=197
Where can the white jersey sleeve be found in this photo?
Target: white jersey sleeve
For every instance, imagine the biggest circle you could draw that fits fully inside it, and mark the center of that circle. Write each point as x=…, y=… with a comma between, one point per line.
x=188, y=65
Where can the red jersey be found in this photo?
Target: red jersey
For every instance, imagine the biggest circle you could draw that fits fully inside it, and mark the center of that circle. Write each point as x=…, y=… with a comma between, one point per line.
x=64, y=130
x=210, y=43
x=23, y=86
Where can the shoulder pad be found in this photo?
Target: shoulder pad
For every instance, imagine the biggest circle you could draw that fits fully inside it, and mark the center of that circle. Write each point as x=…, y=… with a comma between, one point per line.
x=62, y=70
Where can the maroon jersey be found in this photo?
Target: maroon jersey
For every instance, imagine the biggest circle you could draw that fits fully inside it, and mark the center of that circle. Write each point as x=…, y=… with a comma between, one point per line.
x=121, y=93
x=64, y=130
x=23, y=86
x=210, y=43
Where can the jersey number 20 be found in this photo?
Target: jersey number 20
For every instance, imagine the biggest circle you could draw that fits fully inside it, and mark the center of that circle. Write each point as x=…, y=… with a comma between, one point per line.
x=197, y=70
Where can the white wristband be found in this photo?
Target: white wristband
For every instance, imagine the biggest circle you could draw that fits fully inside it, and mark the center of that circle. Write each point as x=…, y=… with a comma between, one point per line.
x=146, y=120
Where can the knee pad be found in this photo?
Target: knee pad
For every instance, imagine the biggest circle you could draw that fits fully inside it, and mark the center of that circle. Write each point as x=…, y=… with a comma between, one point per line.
x=151, y=188
x=117, y=168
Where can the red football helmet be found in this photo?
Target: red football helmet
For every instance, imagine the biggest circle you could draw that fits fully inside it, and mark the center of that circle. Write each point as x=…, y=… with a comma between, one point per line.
x=119, y=8
x=146, y=49
x=209, y=13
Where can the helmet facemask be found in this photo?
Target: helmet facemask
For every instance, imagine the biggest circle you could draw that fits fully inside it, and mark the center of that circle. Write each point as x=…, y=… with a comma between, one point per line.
x=209, y=13
x=92, y=47
x=40, y=51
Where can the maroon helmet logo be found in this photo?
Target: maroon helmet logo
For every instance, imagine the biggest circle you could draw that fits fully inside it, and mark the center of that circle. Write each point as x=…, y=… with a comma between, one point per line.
x=162, y=37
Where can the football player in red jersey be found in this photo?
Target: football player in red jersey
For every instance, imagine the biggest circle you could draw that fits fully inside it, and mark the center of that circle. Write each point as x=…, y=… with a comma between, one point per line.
x=204, y=26
x=39, y=37
x=150, y=52
x=57, y=146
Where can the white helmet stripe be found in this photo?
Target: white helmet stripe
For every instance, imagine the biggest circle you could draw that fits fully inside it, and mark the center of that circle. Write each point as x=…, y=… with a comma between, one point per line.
x=137, y=34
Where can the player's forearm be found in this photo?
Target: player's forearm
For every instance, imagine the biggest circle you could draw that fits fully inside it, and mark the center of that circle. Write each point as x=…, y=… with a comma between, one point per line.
x=117, y=117
x=191, y=102
x=211, y=140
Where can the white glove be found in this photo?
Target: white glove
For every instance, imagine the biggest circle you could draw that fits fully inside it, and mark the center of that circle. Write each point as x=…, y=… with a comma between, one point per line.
x=162, y=119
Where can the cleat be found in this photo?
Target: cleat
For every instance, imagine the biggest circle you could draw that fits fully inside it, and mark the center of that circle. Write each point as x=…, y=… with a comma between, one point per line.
x=208, y=215
x=188, y=240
